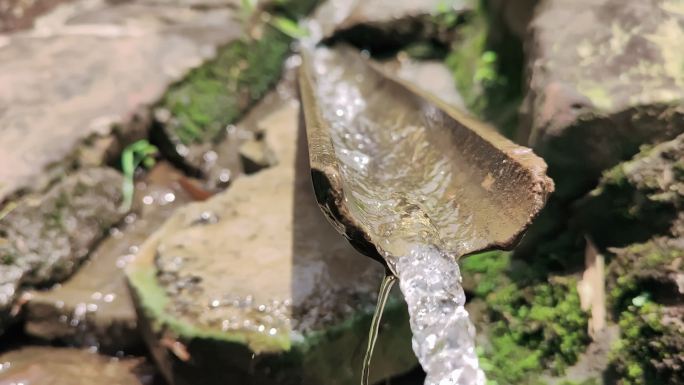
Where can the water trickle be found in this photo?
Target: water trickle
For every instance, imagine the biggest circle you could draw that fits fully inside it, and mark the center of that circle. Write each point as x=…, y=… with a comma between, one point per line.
x=385, y=288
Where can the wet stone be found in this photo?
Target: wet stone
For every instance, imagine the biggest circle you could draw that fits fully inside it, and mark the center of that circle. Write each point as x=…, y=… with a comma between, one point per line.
x=44, y=239
x=253, y=286
x=93, y=308
x=65, y=366
x=90, y=65
x=602, y=85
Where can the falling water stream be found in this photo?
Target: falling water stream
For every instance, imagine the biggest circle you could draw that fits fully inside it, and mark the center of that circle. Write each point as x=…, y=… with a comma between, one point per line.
x=443, y=336
x=385, y=288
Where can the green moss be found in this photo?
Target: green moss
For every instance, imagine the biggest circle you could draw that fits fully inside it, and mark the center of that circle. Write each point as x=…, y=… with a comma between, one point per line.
x=648, y=352
x=7, y=256
x=54, y=218
x=487, y=269
x=487, y=68
x=216, y=94
x=466, y=59
x=639, y=268
x=153, y=301
x=535, y=325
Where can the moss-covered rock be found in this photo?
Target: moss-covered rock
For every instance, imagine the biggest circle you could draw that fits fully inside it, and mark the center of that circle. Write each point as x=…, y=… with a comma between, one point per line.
x=645, y=283
x=93, y=307
x=217, y=93
x=195, y=112
x=602, y=85
x=486, y=59
x=44, y=239
x=636, y=199
x=655, y=267
x=532, y=325
x=651, y=348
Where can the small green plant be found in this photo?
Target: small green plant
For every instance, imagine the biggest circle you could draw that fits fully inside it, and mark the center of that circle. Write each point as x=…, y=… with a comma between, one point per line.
x=140, y=152
x=289, y=27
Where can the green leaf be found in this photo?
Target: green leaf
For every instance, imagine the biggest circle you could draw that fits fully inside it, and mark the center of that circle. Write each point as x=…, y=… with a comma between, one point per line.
x=289, y=27
x=131, y=157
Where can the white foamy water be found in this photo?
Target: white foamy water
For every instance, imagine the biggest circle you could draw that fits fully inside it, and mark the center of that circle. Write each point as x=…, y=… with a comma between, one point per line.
x=443, y=336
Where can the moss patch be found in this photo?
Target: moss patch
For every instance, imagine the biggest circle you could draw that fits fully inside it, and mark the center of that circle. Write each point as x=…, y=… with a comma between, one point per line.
x=216, y=94
x=534, y=324
x=650, y=350
x=649, y=267
x=487, y=68
x=646, y=302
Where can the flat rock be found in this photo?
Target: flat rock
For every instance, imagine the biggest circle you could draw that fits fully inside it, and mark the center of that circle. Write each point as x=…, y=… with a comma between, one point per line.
x=91, y=65
x=93, y=308
x=602, y=85
x=44, y=239
x=252, y=286
x=64, y=366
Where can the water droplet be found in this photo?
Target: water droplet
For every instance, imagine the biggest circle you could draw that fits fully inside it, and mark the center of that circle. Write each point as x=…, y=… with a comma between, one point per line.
x=210, y=156
x=224, y=176
x=169, y=197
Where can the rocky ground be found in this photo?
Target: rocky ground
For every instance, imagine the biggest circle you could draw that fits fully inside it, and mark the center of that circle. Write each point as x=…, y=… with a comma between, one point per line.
x=156, y=223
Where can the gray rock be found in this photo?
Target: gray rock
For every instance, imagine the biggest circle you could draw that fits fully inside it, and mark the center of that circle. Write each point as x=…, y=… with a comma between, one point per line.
x=637, y=199
x=88, y=67
x=428, y=75
x=385, y=23
x=93, y=308
x=18, y=14
x=603, y=84
x=44, y=239
x=63, y=366
x=253, y=287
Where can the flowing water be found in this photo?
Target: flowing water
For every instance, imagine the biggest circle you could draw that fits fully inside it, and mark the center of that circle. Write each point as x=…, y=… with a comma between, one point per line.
x=385, y=288
x=398, y=176
x=443, y=336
